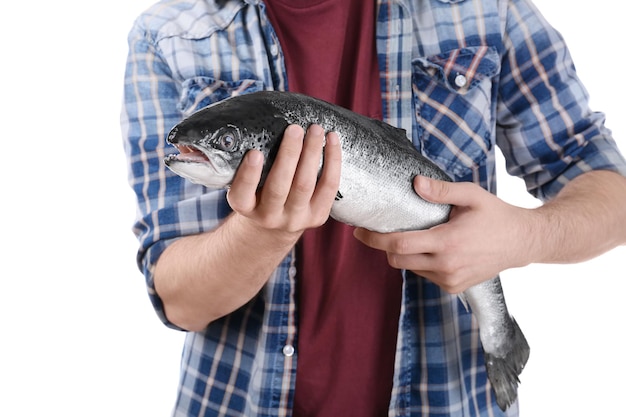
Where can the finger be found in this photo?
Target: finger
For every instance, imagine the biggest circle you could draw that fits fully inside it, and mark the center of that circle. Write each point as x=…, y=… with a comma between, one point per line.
x=328, y=183
x=375, y=240
x=242, y=194
x=402, y=243
x=305, y=177
x=445, y=192
x=430, y=267
x=423, y=263
x=280, y=177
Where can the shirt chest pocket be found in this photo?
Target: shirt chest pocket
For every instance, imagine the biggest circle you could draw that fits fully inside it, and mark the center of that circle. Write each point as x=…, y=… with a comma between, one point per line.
x=201, y=91
x=454, y=103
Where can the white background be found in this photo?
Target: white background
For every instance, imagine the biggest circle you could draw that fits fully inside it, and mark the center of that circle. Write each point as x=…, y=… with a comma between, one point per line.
x=78, y=335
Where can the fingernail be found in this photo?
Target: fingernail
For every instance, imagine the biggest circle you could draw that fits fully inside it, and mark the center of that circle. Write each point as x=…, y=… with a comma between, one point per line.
x=294, y=131
x=316, y=130
x=332, y=138
x=423, y=183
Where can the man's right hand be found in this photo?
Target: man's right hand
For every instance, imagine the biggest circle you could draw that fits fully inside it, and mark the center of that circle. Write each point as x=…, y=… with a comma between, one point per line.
x=292, y=198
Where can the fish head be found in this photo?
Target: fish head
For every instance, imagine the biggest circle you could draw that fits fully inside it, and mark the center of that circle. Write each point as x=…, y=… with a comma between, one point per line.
x=209, y=158
x=213, y=141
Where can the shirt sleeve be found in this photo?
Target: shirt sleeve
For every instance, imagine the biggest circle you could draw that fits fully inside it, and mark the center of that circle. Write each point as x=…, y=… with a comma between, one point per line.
x=546, y=130
x=168, y=207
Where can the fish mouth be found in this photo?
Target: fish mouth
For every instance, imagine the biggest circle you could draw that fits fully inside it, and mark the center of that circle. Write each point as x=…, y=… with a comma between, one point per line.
x=200, y=167
x=189, y=153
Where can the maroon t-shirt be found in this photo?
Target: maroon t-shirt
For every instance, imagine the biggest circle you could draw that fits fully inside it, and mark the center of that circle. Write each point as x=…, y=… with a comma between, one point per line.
x=348, y=296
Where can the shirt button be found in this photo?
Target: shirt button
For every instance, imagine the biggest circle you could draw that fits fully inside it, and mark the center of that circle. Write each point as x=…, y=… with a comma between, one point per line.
x=288, y=350
x=274, y=49
x=460, y=81
x=292, y=272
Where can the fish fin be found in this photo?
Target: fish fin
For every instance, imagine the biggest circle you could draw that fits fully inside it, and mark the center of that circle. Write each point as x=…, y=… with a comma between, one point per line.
x=503, y=371
x=396, y=134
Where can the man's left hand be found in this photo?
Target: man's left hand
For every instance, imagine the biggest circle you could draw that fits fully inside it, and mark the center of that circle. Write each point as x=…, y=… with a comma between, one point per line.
x=483, y=236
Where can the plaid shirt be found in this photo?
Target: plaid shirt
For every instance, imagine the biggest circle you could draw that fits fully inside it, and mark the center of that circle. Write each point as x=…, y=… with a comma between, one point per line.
x=459, y=76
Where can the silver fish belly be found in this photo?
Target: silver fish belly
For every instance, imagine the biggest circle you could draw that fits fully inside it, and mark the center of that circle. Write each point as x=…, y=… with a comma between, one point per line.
x=376, y=191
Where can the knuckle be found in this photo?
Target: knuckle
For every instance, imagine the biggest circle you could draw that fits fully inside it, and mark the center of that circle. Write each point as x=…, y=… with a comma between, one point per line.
x=449, y=283
x=454, y=289
x=273, y=223
x=449, y=267
x=441, y=189
x=273, y=193
x=291, y=226
x=318, y=222
x=288, y=153
x=400, y=245
x=392, y=260
x=459, y=287
x=303, y=187
x=319, y=216
x=239, y=205
x=447, y=246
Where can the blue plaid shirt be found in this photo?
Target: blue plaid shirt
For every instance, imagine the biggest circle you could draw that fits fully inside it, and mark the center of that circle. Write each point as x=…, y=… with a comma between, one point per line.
x=459, y=76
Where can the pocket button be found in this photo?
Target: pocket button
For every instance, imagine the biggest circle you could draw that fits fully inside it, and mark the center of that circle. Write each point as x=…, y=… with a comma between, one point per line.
x=460, y=80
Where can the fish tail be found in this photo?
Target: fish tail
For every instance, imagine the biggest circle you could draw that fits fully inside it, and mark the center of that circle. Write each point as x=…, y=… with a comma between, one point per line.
x=503, y=370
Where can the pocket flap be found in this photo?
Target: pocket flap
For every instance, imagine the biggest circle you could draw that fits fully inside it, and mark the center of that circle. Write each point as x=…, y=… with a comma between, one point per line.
x=462, y=69
x=199, y=92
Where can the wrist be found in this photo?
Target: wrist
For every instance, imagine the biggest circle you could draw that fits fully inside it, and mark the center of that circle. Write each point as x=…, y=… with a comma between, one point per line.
x=546, y=235
x=532, y=230
x=274, y=238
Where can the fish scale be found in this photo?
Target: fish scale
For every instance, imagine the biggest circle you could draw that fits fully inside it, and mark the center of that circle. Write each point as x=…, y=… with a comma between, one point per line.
x=376, y=157
x=376, y=191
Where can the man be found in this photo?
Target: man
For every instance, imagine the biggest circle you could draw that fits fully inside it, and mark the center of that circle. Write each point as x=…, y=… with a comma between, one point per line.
x=287, y=313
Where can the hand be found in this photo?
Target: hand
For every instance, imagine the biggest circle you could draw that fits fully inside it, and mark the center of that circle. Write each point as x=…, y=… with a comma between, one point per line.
x=292, y=198
x=483, y=237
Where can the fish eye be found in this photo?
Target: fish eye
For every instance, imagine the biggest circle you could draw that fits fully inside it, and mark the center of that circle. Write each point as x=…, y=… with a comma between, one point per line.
x=226, y=139
x=227, y=142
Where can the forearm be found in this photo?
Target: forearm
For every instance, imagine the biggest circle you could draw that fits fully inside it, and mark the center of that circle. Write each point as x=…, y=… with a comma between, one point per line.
x=203, y=277
x=586, y=219
x=485, y=236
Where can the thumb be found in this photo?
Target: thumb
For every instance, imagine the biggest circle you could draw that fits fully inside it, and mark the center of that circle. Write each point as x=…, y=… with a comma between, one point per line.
x=444, y=192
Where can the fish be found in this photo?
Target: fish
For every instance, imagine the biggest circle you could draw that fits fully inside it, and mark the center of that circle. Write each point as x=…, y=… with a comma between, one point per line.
x=375, y=191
